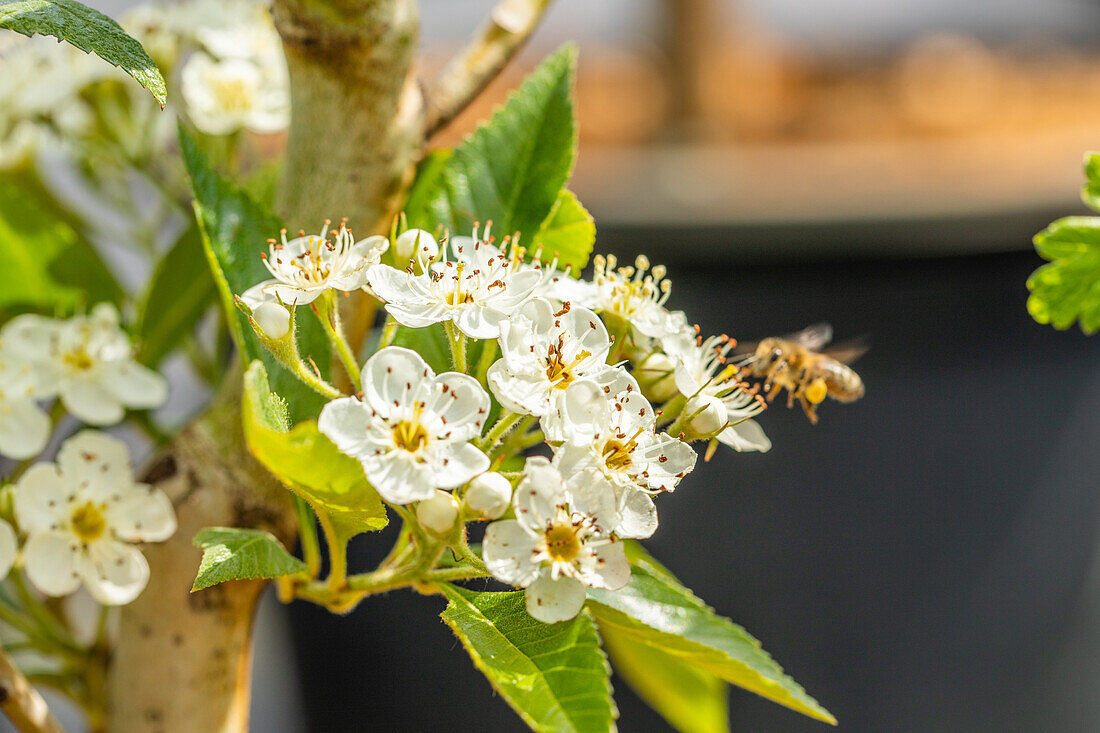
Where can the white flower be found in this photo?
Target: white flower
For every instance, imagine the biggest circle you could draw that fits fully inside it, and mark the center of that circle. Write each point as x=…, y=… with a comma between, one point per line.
x=612, y=428
x=416, y=242
x=81, y=516
x=489, y=494
x=560, y=542
x=716, y=395
x=308, y=265
x=476, y=290
x=543, y=352
x=24, y=427
x=412, y=427
x=224, y=96
x=88, y=361
x=438, y=513
x=635, y=294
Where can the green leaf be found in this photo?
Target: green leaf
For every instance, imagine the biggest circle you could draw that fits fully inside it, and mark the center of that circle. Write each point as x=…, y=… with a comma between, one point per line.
x=47, y=264
x=181, y=290
x=235, y=231
x=690, y=699
x=554, y=676
x=90, y=31
x=307, y=462
x=1090, y=192
x=567, y=234
x=230, y=553
x=512, y=169
x=655, y=610
x=1068, y=289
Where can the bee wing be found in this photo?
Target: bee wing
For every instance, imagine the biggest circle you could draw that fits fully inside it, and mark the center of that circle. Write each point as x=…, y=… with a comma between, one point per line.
x=812, y=337
x=847, y=352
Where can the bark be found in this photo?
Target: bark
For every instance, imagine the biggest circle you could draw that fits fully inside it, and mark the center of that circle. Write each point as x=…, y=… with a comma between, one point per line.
x=183, y=660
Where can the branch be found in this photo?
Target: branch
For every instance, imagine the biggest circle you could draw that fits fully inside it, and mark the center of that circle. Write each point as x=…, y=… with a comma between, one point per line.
x=21, y=703
x=510, y=24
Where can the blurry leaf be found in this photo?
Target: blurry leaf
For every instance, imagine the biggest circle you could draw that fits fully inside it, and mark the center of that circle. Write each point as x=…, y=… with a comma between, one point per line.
x=512, y=169
x=1090, y=192
x=655, y=610
x=430, y=342
x=553, y=675
x=47, y=264
x=306, y=461
x=181, y=290
x=87, y=29
x=1068, y=289
x=229, y=553
x=690, y=699
x=235, y=231
x=567, y=234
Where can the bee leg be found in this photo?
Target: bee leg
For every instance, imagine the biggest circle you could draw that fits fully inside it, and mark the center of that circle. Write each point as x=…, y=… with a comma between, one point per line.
x=808, y=408
x=773, y=390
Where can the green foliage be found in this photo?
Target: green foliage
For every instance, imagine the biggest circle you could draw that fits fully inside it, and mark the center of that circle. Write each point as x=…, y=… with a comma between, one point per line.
x=656, y=611
x=430, y=342
x=89, y=30
x=690, y=699
x=307, y=462
x=554, y=676
x=512, y=170
x=47, y=263
x=180, y=291
x=235, y=230
x=1090, y=191
x=230, y=553
x=1068, y=288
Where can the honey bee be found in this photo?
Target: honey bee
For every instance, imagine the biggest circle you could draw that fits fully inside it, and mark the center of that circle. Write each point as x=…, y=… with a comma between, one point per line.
x=800, y=364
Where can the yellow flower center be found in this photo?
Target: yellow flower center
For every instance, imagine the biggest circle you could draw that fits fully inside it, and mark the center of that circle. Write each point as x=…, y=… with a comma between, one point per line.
x=410, y=436
x=562, y=543
x=234, y=95
x=89, y=523
x=78, y=359
x=616, y=455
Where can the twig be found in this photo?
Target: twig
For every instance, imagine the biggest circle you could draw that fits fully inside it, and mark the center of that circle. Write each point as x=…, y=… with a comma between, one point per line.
x=21, y=703
x=508, y=27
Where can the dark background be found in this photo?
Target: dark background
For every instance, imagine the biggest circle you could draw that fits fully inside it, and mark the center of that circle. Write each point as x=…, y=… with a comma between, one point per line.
x=918, y=561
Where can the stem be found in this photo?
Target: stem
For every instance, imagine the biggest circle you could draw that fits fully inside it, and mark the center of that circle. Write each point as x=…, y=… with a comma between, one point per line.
x=488, y=356
x=328, y=313
x=456, y=340
x=505, y=423
x=22, y=704
x=46, y=621
x=307, y=533
x=337, y=555
x=389, y=332
x=520, y=439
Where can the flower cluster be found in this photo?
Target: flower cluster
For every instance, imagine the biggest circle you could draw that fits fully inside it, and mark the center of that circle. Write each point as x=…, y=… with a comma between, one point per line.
x=80, y=514
x=573, y=365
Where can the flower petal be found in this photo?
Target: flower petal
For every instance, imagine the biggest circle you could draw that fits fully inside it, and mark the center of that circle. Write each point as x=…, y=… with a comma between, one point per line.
x=390, y=374
x=135, y=386
x=637, y=514
x=30, y=336
x=539, y=492
x=399, y=479
x=344, y=421
x=463, y=461
x=551, y=601
x=39, y=498
x=95, y=462
x=519, y=392
x=51, y=560
x=91, y=402
x=461, y=402
x=114, y=572
x=141, y=514
x=24, y=429
x=606, y=568
x=509, y=551
x=746, y=436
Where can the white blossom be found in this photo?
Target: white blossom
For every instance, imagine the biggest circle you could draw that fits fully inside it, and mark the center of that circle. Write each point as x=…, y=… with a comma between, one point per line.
x=24, y=427
x=438, y=513
x=305, y=267
x=717, y=397
x=226, y=95
x=477, y=289
x=543, y=352
x=560, y=542
x=418, y=243
x=489, y=494
x=612, y=428
x=412, y=428
x=87, y=361
x=635, y=294
x=81, y=516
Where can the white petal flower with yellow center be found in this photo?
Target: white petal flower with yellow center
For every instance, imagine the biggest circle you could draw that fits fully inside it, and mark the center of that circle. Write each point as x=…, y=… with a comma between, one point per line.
x=635, y=294
x=719, y=401
x=223, y=96
x=81, y=516
x=87, y=361
x=560, y=542
x=543, y=352
x=611, y=428
x=412, y=428
x=24, y=427
x=476, y=288
x=305, y=267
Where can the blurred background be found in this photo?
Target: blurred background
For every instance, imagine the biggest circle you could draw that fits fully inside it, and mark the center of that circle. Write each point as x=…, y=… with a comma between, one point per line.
x=923, y=559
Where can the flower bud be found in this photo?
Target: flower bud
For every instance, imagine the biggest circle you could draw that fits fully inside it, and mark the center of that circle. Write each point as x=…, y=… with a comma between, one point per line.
x=438, y=514
x=489, y=494
x=416, y=242
x=655, y=375
x=709, y=416
x=273, y=319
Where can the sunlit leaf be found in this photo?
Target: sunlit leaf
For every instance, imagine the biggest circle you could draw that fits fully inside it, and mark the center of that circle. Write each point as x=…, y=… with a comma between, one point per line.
x=231, y=553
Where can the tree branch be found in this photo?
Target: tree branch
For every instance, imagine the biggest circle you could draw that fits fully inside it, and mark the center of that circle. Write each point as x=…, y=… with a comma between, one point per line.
x=21, y=703
x=508, y=27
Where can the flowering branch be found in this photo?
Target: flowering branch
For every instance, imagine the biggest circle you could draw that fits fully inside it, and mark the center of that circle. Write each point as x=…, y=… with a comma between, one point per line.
x=510, y=24
x=22, y=704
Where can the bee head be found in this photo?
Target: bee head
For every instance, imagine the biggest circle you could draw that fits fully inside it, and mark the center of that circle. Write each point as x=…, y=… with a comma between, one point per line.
x=768, y=352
